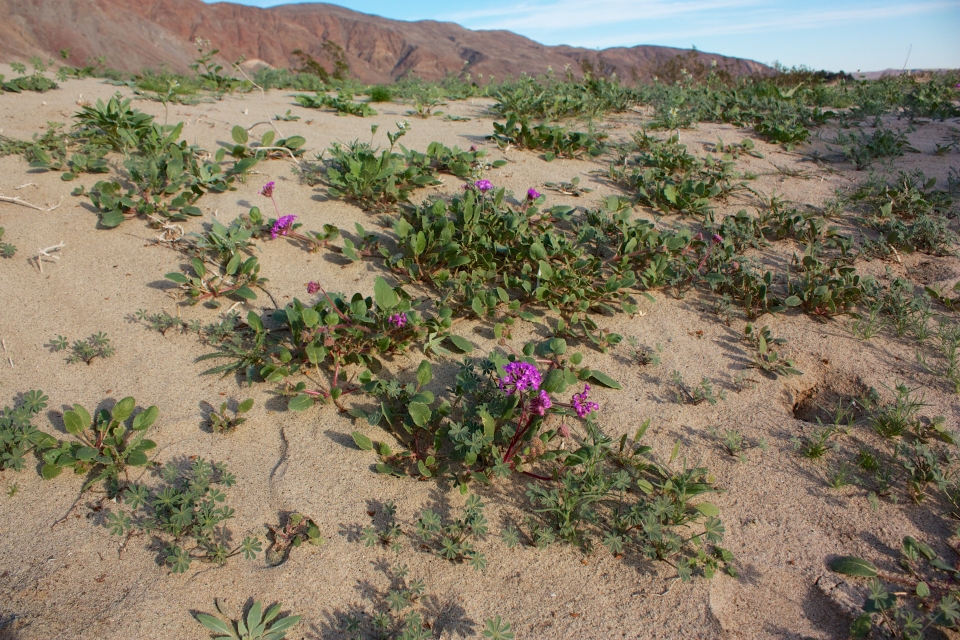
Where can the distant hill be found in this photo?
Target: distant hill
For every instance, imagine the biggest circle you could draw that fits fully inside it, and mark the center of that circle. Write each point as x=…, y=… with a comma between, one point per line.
x=134, y=35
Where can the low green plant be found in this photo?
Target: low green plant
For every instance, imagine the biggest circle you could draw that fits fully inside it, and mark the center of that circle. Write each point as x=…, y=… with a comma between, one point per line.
x=766, y=358
x=104, y=446
x=268, y=147
x=453, y=540
x=380, y=93
x=864, y=149
x=377, y=182
x=342, y=103
x=841, y=475
x=388, y=533
x=501, y=422
x=925, y=596
x=18, y=436
x=893, y=419
x=36, y=81
x=7, y=250
x=621, y=496
x=571, y=188
x=666, y=177
x=826, y=289
x=700, y=393
x=946, y=347
x=186, y=512
x=235, y=278
x=298, y=529
x=96, y=346
x=258, y=624
x=334, y=336
x=555, y=141
x=165, y=176
x=736, y=445
x=222, y=422
x=643, y=355
x=819, y=441
x=943, y=297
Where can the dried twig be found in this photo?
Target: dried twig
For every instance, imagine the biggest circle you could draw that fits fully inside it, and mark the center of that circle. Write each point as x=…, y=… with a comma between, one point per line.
x=46, y=253
x=3, y=343
x=264, y=94
x=169, y=232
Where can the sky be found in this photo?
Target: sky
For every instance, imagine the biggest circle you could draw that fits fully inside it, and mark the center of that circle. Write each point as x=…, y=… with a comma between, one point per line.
x=847, y=35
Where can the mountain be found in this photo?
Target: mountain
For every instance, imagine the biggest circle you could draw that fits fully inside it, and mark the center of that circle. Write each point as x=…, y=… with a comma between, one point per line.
x=133, y=35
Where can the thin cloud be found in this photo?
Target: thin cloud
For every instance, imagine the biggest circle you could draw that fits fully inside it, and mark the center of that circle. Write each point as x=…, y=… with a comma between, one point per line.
x=554, y=21
x=568, y=14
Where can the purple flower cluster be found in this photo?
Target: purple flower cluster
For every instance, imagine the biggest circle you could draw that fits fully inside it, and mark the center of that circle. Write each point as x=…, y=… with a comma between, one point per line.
x=282, y=226
x=399, y=320
x=267, y=189
x=717, y=238
x=540, y=404
x=519, y=377
x=483, y=185
x=581, y=405
x=313, y=287
x=532, y=194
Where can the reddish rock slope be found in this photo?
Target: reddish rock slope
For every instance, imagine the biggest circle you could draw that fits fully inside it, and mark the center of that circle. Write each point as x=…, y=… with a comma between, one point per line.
x=138, y=34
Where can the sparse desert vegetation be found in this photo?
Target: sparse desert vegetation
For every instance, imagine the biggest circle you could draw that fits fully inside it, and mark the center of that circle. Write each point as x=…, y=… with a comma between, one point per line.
x=554, y=356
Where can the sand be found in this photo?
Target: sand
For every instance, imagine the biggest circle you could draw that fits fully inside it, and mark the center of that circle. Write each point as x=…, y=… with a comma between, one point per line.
x=783, y=522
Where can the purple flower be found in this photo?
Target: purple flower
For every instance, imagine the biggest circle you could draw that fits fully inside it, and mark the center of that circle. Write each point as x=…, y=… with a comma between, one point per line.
x=399, y=320
x=540, y=404
x=519, y=377
x=483, y=185
x=282, y=226
x=532, y=194
x=581, y=405
x=267, y=189
x=313, y=287
x=717, y=238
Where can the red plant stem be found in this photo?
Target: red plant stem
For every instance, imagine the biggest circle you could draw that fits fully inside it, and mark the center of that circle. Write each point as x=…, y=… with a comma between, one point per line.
x=536, y=475
x=275, y=207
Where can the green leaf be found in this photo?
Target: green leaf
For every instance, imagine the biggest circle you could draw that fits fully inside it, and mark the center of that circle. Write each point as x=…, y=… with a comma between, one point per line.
x=554, y=382
x=246, y=293
x=424, y=373
x=861, y=627
x=73, y=423
x=146, y=418
x=601, y=378
x=215, y=624
x=489, y=424
x=239, y=135
x=123, y=409
x=708, y=509
x=462, y=344
x=923, y=590
x=283, y=624
x=793, y=301
x=245, y=406
x=384, y=294
x=545, y=271
x=177, y=277
x=853, y=566
x=420, y=413
x=111, y=219
x=50, y=471
x=137, y=458
x=301, y=402
x=362, y=441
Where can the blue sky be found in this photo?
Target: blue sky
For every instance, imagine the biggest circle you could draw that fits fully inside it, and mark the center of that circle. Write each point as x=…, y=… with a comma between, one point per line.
x=822, y=34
